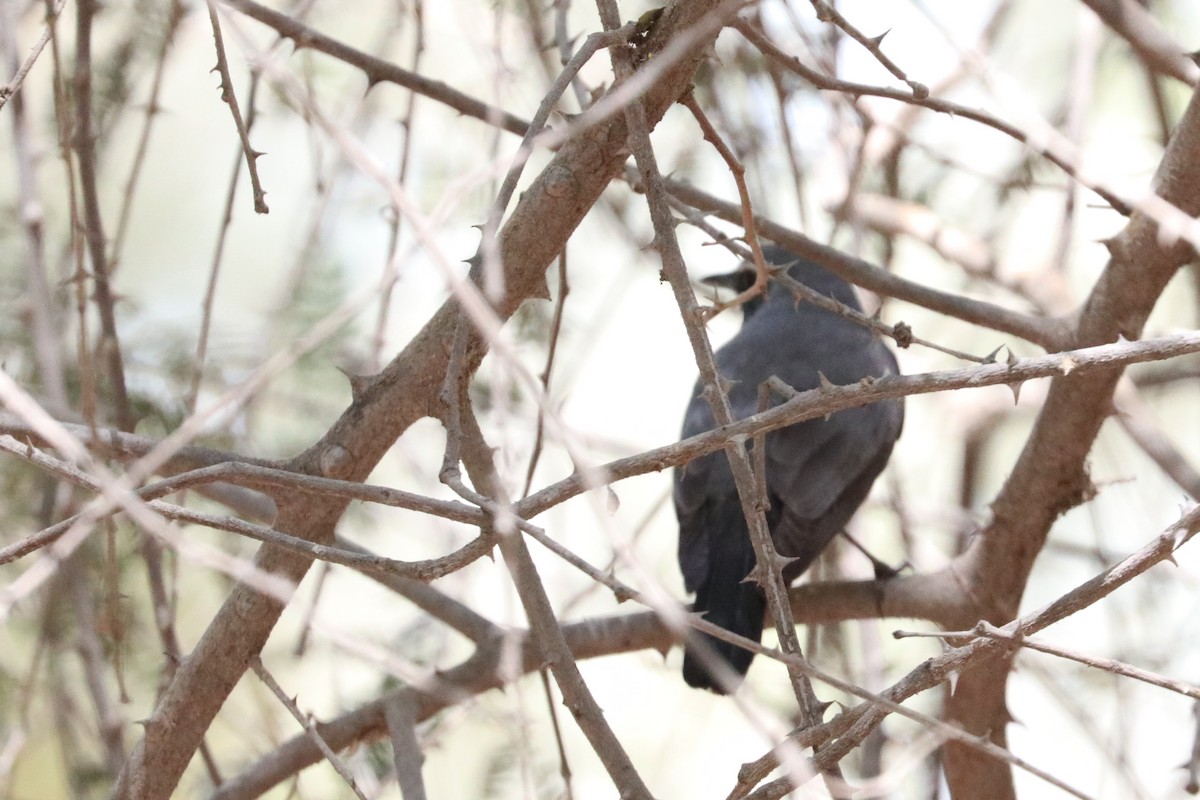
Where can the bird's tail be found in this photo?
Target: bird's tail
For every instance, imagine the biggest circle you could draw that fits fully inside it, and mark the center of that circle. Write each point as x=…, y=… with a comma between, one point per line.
x=726, y=598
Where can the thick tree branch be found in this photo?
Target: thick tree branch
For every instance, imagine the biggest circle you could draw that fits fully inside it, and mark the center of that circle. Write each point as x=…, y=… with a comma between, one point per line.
x=1133, y=23
x=1048, y=332
x=646, y=630
x=406, y=390
x=376, y=69
x=1050, y=476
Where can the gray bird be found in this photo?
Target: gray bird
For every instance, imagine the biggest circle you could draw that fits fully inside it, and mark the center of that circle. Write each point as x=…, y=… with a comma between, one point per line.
x=818, y=472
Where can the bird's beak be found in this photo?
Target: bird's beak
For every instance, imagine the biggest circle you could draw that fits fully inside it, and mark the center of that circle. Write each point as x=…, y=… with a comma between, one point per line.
x=739, y=280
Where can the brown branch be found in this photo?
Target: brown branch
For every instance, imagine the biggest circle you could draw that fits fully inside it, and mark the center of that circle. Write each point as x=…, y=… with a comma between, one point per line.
x=900, y=333
x=307, y=723
x=1193, y=763
x=603, y=636
x=376, y=69
x=1109, y=665
x=806, y=405
x=769, y=567
x=739, y=178
x=417, y=570
x=479, y=673
x=593, y=44
x=966, y=661
x=890, y=216
x=828, y=399
x=406, y=390
x=675, y=271
x=1050, y=476
x=560, y=304
x=456, y=615
x=110, y=718
x=229, y=97
x=175, y=16
x=46, y=329
x=401, y=714
x=465, y=440
x=231, y=194
x=1135, y=417
x=112, y=443
x=1157, y=48
x=407, y=125
x=93, y=227
x=827, y=13
x=1049, y=333
x=829, y=83
x=14, y=84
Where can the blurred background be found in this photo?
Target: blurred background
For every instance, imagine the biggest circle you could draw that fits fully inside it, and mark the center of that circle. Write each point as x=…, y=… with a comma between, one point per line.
x=936, y=198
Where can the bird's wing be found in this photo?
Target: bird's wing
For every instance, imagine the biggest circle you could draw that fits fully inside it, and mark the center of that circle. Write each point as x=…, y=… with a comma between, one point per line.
x=809, y=465
x=820, y=470
x=701, y=487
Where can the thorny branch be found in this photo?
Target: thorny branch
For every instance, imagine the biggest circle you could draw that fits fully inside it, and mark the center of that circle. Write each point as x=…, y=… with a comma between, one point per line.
x=854, y=724
x=645, y=630
x=403, y=392
x=307, y=723
x=97, y=246
x=14, y=84
x=801, y=406
x=311, y=491
x=229, y=97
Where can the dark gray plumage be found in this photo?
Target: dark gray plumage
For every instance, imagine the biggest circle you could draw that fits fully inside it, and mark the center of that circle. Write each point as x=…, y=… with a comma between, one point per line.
x=818, y=472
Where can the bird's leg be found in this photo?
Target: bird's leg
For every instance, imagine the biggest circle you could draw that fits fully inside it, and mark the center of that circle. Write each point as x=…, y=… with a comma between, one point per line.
x=883, y=570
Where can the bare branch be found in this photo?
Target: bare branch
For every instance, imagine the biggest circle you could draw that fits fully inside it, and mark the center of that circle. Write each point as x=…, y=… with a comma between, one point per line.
x=1155, y=46
x=229, y=97
x=401, y=714
x=14, y=84
x=307, y=723
x=1046, y=332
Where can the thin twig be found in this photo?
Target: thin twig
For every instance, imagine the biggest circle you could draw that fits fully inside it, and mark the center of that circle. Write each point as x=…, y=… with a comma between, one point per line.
x=377, y=70
x=675, y=271
x=214, y=269
x=828, y=399
x=1155, y=46
x=987, y=630
x=564, y=763
x=827, y=13
x=593, y=43
x=822, y=81
x=1134, y=415
x=560, y=303
x=739, y=178
x=229, y=96
x=1193, y=762
x=14, y=84
x=436, y=604
x=306, y=722
x=891, y=216
x=407, y=125
x=109, y=717
x=606, y=636
x=47, y=331
x=175, y=15
x=547, y=635
x=418, y=570
x=1049, y=333
x=932, y=672
x=900, y=333
x=85, y=146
